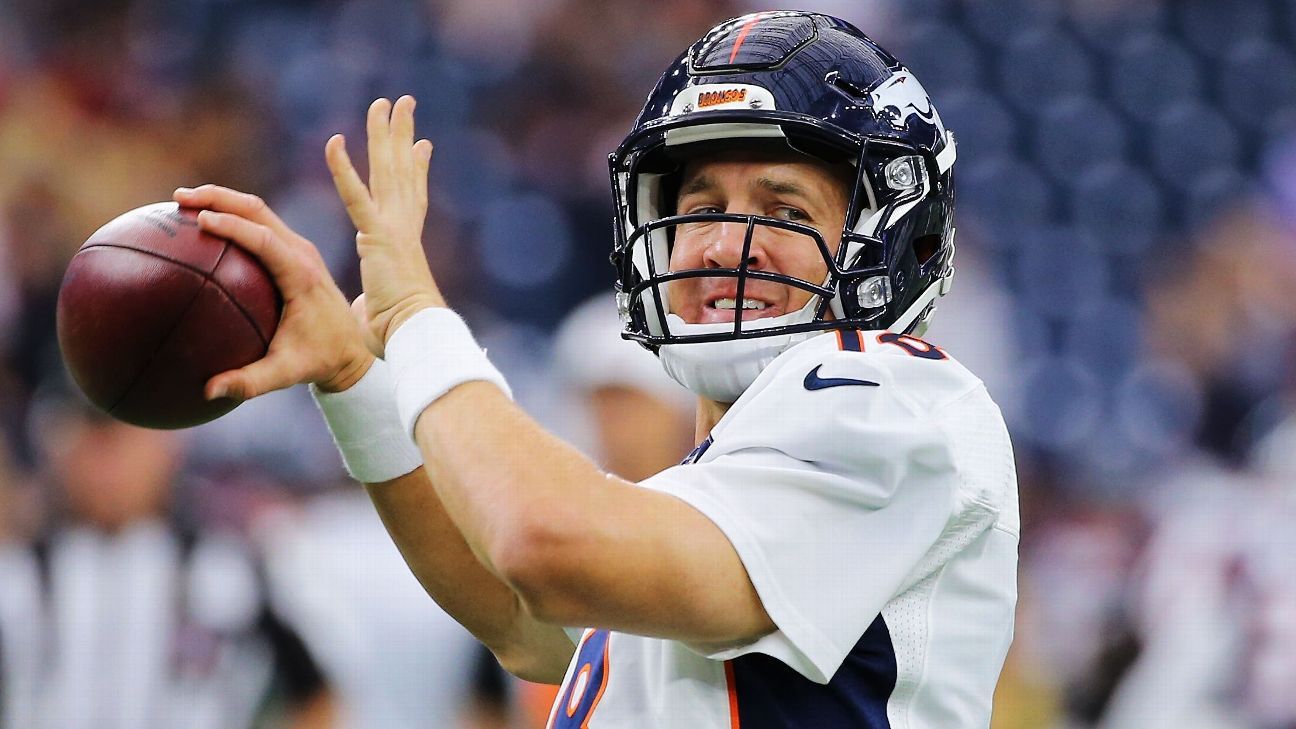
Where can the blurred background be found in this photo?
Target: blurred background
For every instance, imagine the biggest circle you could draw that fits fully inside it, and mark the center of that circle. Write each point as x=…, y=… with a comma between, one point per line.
x=1127, y=263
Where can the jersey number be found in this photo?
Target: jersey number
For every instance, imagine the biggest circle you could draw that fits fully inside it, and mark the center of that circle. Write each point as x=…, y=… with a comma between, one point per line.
x=913, y=345
x=584, y=689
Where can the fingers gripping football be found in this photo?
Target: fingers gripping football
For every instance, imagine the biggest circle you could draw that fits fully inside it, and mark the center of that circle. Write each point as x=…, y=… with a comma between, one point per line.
x=317, y=340
x=388, y=214
x=292, y=271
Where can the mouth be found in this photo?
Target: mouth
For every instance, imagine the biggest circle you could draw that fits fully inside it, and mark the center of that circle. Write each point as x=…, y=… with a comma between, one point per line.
x=720, y=308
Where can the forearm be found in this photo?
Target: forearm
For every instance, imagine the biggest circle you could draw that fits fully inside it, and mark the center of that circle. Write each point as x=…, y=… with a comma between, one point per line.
x=578, y=546
x=523, y=500
x=501, y=477
x=453, y=576
x=364, y=423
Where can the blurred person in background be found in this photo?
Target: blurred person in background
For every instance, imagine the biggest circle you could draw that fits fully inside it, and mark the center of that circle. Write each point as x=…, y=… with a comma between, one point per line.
x=123, y=614
x=1214, y=598
x=393, y=658
x=1074, y=640
x=1215, y=608
x=18, y=507
x=1224, y=316
x=18, y=580
x=636, y=420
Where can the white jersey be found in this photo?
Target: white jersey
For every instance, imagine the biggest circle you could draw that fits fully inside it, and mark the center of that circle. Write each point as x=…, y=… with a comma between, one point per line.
x=867, y=483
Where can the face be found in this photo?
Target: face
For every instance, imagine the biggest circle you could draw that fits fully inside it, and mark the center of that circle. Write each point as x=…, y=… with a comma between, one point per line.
x=786, y=186
x=114, y=474
x=639, y=434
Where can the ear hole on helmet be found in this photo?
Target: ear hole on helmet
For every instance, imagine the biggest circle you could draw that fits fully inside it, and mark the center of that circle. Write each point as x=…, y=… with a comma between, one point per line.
x=926, y=246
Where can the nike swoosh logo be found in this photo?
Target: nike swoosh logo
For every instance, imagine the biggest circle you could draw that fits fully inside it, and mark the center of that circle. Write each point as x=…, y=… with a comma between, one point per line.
x=814, y=382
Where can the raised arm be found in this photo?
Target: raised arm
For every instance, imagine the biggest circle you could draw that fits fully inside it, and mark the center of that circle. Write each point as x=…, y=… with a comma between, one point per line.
x=319, y=342
x=578, y=546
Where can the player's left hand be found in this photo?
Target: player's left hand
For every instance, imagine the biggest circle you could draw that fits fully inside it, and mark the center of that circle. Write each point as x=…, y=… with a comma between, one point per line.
x=388, y=215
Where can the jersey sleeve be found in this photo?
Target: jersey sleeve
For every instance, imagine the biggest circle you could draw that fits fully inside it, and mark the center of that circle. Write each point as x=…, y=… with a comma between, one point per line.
x=832, y=499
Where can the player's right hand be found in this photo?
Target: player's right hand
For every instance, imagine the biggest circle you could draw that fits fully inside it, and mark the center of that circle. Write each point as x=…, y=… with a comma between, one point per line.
x=318, y=340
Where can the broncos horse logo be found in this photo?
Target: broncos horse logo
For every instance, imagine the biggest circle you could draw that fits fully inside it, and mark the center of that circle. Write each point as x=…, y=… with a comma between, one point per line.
x=900, y=97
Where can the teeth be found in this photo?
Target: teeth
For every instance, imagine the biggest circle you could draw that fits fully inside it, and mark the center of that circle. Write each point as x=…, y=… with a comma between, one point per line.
x=747, y=304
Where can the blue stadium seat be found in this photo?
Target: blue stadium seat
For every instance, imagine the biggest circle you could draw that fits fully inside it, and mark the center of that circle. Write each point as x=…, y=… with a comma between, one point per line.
x=1258, y=80
x=999, y=22
x=528, y=256
x=1007, y=195
x=471, y=169
x=267, y=42
x=1075, y=134
x=1157, y=407
x=444, y=89
x=1290, y=19
x=391, y=30
x=1062, y=403
x=1061, y=273
x=1213, y=193
x=1213, y=27
x=929, y=9
x=1189, y=140
x=942, y=57
x=1043, y=65
x=1109, y=342
x=1120, y=206
x=1106, y=26
x=316, y=87
x=1150, y=72
x=1279, y=132
x=982, y=125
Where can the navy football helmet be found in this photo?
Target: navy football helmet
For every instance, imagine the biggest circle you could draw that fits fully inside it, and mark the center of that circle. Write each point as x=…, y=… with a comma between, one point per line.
x=819, y=86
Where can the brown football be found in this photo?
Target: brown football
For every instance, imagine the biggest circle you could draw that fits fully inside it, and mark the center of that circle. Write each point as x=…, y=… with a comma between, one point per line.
x=151, y=307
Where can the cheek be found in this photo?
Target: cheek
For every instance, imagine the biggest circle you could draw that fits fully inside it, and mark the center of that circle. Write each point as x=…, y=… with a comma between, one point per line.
x=804, y=262
x=686, y=252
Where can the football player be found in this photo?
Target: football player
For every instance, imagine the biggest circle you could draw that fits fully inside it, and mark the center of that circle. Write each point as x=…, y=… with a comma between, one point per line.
x=840, y=548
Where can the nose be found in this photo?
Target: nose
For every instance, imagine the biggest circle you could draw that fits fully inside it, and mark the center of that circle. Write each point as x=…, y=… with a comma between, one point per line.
x=725, y=249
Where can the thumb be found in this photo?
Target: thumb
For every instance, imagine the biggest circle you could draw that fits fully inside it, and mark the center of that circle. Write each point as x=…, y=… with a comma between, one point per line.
x=264, y=375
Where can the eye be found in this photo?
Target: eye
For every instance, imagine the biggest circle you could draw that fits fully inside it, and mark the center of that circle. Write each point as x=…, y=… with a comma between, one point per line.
x=787, y=212
x=703, y=208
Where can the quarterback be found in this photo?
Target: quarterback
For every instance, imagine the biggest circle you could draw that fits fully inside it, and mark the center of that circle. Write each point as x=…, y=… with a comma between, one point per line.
x=839, y=550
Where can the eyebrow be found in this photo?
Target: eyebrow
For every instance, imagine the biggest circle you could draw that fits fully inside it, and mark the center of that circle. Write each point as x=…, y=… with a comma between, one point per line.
x=782, y=187
x=702, y=183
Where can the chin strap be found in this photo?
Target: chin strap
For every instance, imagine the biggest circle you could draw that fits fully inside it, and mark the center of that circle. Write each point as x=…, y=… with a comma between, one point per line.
x=722, y=371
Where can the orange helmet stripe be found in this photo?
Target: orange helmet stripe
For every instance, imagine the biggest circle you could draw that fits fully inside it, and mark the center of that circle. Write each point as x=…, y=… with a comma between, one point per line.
x=742, y=35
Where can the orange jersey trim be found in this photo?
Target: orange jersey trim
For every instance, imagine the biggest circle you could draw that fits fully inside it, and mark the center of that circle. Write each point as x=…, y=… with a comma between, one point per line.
x=733, y=695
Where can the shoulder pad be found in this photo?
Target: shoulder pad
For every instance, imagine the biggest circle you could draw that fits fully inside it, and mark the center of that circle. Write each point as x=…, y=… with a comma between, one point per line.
x=911, y=369
x=833, y=392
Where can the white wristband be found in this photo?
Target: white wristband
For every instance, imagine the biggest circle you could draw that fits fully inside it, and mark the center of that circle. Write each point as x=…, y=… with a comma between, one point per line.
x=431, y=353
x=366, y=427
